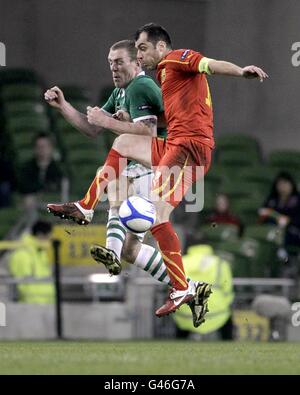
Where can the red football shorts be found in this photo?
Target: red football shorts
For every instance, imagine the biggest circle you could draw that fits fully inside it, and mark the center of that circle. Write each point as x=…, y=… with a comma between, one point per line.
x=177, y=165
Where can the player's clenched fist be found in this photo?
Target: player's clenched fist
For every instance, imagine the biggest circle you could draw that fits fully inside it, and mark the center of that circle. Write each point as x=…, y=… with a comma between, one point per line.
x=97, y=117
x=55, y=97
x=122, y=115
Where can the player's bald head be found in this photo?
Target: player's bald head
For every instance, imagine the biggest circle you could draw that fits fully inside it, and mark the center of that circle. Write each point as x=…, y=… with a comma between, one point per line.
x=128, y=45
x=155, y=33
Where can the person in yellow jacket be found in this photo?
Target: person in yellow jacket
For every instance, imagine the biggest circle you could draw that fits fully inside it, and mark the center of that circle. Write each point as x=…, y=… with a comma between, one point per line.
x=202, y=263
x=31, y=261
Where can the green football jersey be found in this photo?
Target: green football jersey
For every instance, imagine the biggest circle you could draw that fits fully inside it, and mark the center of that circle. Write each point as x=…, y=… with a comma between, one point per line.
x=141, y=99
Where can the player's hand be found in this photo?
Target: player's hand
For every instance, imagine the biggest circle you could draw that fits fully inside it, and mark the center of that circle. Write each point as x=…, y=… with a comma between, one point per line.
x=55, y=97
x=96, y=116
x=254, y=72
x=122, y=115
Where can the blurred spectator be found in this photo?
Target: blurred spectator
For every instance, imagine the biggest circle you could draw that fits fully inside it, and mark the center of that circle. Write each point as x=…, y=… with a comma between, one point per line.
x=7, y=182
x=31, y=261
x=202, y=264
x=282, y=208
x=42, y=173
x=221, y=213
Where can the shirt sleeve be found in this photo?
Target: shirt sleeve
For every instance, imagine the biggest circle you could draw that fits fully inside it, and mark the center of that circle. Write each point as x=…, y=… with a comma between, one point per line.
x=185, y=60
x=145, y=101
x=109, y=106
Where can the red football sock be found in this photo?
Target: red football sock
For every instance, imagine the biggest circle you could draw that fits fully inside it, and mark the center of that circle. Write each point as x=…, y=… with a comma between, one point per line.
x=169, y=245
x=113, y=166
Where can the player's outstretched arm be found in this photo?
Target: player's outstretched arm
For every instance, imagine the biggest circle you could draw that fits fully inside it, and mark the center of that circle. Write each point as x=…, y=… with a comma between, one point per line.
x=97, y=117
x=56, y=99
x=227, y=68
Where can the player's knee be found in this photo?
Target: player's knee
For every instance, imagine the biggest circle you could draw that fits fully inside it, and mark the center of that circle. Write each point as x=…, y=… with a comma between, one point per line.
x=130, y=250
x=128, y=254
x=121, y=144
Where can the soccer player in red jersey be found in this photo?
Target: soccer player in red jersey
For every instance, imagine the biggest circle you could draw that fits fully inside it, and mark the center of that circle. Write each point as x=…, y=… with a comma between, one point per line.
x=189, y=118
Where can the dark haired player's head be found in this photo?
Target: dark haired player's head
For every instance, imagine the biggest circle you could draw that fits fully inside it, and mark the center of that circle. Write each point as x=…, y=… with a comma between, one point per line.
x=123, y=62
x=153, y=43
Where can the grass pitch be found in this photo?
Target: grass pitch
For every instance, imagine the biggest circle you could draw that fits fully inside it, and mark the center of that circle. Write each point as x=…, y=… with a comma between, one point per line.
x=153, y=357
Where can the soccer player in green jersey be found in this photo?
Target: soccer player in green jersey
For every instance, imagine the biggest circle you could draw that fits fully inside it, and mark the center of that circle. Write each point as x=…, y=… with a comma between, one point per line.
x=137, y=95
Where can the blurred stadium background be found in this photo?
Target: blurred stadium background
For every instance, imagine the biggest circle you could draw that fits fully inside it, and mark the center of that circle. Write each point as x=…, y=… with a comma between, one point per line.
x=257, y=136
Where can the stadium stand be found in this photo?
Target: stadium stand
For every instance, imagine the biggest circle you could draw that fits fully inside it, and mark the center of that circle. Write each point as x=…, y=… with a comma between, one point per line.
x=246, y=179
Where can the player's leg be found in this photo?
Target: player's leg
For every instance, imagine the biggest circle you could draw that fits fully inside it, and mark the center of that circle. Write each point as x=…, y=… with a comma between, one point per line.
x=124, y=146
x=110, y=254
x=172, y=179
x=118, y=239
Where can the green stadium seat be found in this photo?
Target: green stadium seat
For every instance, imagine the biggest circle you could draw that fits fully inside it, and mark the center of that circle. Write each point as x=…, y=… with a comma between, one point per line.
x=79, y=186
x=265, y=232
x=249, y=257
x=246, y=209
x=86, y=173
x=262, y=255
x=237, y=141
x=28, y=123
x=24, y=153
x=85, y=156
x=231, y=251
x=220, y=232
x=284, y=158
x=214, y=177
x=24, y=141
x=259, y=174
x=73, y=139
x=237, y=159
x=240, y=189
x=21, y=92
x=210, y=195
x=17, y=108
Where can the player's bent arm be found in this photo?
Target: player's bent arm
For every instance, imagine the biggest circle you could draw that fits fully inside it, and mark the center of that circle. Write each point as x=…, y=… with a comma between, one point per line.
x=79, y=120
x=144, y=127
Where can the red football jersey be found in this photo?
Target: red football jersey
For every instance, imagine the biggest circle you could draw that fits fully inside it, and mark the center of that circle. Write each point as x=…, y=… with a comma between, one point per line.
x=186, y=96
